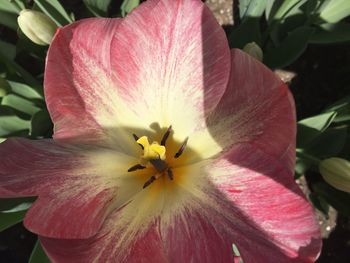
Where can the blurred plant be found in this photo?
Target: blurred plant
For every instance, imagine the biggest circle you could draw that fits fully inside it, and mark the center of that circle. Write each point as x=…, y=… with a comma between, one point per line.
x=284, y=28
x=323, y=137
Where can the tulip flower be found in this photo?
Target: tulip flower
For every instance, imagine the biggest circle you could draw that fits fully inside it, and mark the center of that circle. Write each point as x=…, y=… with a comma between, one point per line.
x=37, y=26
x=254, y=50
x=167, y=147
x=336, y=172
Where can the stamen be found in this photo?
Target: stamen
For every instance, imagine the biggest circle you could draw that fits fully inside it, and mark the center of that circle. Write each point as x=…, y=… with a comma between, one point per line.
x=149, y=181
x=165, y=136
x=136, y=138
x=136, y=167
x=182, y=148
x=170, y=174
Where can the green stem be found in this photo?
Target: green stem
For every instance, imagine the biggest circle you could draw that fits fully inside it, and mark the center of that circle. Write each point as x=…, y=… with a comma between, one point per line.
x=302, y=155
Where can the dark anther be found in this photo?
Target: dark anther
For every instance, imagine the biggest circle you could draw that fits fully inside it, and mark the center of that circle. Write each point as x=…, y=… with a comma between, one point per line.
x=182, y=148
x=136, y=167
x=136, y=138
x=149, y=181
x=170, y=174
x=165, y=136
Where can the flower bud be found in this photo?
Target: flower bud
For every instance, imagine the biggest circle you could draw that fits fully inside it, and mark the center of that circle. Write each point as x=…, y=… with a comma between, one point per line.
x=37, y=26
x=336, y=172
x=4, y=87
x=254, y=50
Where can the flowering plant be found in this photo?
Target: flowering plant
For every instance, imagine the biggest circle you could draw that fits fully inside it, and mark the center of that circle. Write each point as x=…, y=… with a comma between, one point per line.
x=167, y=145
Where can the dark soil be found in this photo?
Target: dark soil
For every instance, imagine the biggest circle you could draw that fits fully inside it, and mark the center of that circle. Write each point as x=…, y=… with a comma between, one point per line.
x=16, y=244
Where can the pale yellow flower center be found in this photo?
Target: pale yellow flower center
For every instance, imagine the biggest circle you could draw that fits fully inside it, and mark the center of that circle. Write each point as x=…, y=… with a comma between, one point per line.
x=154, y=156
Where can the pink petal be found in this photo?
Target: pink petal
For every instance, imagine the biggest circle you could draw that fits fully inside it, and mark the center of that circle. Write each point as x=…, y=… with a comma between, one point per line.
x=171, y=62
x=106, y=76
x=250, y=200
x=256, y=108
x=73, y=199
x=188, y=238
x=79, y=87
x=270, y=221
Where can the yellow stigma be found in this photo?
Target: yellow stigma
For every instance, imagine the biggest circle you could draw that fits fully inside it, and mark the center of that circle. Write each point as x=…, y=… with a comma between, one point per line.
x=151, y=151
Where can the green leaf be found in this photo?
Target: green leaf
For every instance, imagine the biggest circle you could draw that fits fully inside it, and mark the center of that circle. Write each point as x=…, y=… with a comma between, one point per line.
x=8, y=19
x=279, y=30
x=5, y=87
x=12, y=204
x=38, y=254
x=251, y=8
x=331, y=33
x=8, y=49
x=271, y=8
x=55, y=11
x=24, y=46
x=320, y=122
x=20, y=104
x=128, y=5
x=9, y=219
x=289, y=49
x=237, y=254
x=310, y=7
x=310, y=128
x=236, y=250
x=25, y=90
x=98, y=7
x=301, y=166
x=9, y=7
x=10, y=123
x=9, y=13
x=41, y=124
x=346, y=150
x=332, y=11
x=286, y=8
x=18, y=208
x=342, y=107
x=320, y=203
x=246, y=32
x=27, y=77
x=329, y=143
x=338, y=199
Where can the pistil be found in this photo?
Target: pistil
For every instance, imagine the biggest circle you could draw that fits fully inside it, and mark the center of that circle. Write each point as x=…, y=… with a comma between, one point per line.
x=155, y=154
x=159, y=164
